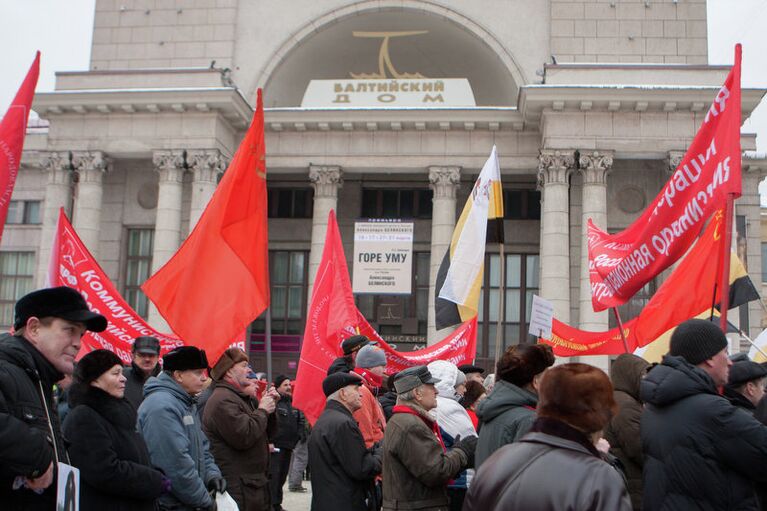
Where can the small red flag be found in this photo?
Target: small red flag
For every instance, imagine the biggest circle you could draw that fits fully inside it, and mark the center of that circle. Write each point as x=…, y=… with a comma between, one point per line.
x=13, y=127
x=218, y=281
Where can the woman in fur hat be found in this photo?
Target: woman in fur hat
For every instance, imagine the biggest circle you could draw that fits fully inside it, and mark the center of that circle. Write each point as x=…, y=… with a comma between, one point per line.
x=556, y=466
x=115, y=471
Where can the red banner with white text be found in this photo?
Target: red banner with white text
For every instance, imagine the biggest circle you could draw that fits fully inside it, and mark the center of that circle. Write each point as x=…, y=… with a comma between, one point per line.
x=333, y=317
x=620, y=264
x=73, y=266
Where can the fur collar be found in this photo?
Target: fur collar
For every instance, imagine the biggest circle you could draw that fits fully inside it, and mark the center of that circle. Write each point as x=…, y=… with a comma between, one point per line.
x=117, y=411
x=558, y=428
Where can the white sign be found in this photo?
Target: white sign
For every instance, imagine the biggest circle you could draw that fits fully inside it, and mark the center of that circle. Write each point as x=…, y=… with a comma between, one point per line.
x=417, y=92
x=541, y=317
x=68, y=488
x=383, y=257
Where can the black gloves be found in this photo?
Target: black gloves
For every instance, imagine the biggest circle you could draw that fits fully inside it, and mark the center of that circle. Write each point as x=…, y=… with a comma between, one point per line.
x=217, y=485
x=468, y=445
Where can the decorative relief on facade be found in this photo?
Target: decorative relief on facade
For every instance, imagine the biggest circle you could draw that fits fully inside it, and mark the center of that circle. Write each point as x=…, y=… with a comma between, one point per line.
x=674, y=159
x=384, y=59
x=555, y=166
x=58, y=165
x=90, y=165
x=631, y=199
x=170, y=165
x=444, y=181
x=595, y=165
x=325, y=179
x=206, y=164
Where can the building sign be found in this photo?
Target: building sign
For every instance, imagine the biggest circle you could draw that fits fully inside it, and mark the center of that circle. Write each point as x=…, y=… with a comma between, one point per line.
x=383, y=257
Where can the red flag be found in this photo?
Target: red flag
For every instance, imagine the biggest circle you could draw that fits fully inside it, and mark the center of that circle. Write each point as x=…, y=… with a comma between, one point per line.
x=620, y=264
x=333, y=317
x=568, y=341
x=13, y=127
x=218, y=281
x=73, y=266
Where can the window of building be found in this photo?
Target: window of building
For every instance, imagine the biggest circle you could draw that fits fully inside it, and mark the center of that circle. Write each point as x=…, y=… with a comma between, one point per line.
x=289, y=275
x=522, y=204
x=290, y=202
x=23, y=212
x=17, y=275
x=138, y=268
x=522, y=281
x=394, y=203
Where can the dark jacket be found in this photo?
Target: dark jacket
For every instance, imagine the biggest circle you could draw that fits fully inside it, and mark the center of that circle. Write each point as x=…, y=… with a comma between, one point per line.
x=388, y=401
x=739, y=400
x=168, y=421
x=506, y=416
x=340, y=365
x=701, y=452
x=623, y=430
x=135, y=378
x=238, y=433
x=554, y=469
x=290, y=424
x=115, y=471
x=416, y=469
x=342, y=468
x=29, y=424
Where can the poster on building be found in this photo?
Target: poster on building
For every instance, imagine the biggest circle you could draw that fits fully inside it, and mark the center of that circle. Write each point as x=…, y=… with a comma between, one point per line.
x=383, y=257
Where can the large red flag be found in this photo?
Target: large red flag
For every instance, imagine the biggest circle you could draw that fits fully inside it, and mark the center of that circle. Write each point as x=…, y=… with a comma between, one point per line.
x=218, y=281
x=333, y=317
x=13, y=127
x=620, y=264
x=72, y=265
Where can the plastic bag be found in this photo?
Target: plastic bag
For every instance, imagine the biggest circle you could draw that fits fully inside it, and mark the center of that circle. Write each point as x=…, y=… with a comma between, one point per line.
x=225, y=502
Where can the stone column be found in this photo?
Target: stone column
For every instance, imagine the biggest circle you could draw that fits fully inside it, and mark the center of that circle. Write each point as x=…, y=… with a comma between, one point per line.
x=444, y=182
x=167, y=228
x=90, y=167
x=594, y=167
x=326, y=180
x=206, y=166
x=58, y=194
x=553, y=173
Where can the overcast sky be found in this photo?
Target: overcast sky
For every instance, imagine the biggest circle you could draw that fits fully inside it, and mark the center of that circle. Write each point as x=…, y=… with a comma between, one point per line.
x=62, y=30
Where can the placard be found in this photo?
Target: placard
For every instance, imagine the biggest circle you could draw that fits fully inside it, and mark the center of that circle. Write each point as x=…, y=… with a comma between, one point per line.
x=383, y=257
x=541, y=317
x=68, y=488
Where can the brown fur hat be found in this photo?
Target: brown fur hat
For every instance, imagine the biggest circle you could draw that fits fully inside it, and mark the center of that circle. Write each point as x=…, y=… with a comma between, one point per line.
x=228, y=359
x=520, y=363
x=578, y=394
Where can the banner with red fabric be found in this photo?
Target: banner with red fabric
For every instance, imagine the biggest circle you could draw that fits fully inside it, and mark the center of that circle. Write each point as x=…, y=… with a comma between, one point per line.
x=686, y=293
x=621, y=264
x=72, y=265
x=13, y=128
x=333, y=317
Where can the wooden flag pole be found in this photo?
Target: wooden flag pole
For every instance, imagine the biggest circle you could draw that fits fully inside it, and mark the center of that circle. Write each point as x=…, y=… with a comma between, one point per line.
x=725, y=276
x=501, y=305
x=620, y=327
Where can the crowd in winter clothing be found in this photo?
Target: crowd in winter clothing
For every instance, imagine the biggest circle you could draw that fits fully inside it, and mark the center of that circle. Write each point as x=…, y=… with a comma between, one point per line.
x=172, y=433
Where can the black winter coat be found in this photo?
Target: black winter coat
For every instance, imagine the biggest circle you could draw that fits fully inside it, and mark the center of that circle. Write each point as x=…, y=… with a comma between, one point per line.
x=341, y=365
x=29, y=424
x=290, y=424
x=135, y=379
x=388, y=401
x=701, y=452
x=342, y=468
x=115, y=470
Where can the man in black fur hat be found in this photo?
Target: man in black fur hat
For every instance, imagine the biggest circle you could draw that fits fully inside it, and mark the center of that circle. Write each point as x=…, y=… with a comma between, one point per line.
x=48, y=325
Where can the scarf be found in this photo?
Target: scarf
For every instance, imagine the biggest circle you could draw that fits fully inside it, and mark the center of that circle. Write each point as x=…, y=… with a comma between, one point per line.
x=432, y=424
x=372, y=380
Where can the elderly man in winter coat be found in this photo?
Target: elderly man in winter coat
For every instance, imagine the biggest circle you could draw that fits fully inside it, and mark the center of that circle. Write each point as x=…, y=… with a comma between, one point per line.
x=145, y=363
x=701, y=452
x=417, y=467
x=623, y=431
x=48, y=325
x=343, y=469
x=238, y=427
x=169, y=423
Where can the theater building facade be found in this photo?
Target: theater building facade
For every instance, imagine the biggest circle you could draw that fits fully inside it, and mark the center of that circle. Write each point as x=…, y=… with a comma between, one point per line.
x=382, y=109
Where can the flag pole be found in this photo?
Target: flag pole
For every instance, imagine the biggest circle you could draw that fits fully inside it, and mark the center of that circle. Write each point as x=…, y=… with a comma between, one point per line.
x=725, y=276
x=757, y=348
x=268, y=343
x=620, y=327
x=501, y=307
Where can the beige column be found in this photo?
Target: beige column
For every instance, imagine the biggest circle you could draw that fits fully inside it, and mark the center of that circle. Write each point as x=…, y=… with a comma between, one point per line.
x=326, y=180
x=444, y=182
x=554, y=171
x=86, y=218
x=167, y=228
x=206, y=165
x=58, y=194
x=594, y=167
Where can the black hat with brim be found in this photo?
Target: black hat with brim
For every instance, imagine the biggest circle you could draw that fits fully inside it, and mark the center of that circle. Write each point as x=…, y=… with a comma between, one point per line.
x=337, y=381
x=744, y=371
x=355, y=343
x=58, y=302
x=469, y=368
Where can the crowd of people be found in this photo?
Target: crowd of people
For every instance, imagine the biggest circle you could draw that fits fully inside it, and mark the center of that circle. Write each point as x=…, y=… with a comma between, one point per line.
x=177, y=434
